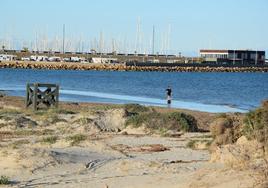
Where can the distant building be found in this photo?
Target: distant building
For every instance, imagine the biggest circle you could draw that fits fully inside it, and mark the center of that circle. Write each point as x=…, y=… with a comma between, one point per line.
x=238, y=57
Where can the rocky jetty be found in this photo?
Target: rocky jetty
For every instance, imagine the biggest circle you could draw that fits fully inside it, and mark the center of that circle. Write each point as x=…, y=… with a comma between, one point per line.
x=122, y=67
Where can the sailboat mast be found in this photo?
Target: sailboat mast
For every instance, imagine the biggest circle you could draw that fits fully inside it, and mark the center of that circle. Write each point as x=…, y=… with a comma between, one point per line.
x=63, y=39
x=153, y=39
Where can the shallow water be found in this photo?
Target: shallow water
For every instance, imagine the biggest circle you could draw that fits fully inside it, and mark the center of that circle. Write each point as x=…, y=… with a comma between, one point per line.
x=211, y=92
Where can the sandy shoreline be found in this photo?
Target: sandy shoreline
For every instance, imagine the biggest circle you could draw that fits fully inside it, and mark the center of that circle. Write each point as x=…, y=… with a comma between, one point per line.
x=88, y=145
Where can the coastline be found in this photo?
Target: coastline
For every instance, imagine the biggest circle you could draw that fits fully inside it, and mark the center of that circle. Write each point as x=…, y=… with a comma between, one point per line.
x=122, y=67
x=149, y=102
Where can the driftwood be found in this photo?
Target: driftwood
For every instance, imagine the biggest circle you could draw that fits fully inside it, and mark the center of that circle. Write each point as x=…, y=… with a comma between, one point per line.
x=38, y=94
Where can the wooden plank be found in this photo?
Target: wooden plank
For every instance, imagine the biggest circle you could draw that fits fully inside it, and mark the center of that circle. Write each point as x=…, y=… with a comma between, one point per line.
x=46, y=85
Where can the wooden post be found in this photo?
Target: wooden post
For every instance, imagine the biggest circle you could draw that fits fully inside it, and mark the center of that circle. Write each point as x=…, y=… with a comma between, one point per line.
x=57, y=96
x=27, y=95
x=35, y=96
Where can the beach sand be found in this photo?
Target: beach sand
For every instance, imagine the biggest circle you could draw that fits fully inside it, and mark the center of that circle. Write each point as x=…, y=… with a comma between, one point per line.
x=88, y=145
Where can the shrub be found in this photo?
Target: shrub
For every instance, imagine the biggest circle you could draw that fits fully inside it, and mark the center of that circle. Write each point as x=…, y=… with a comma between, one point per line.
x=186, y=122
x=219, y=125
x=134, y=109
x=4, y=180
x=191, y=144
x=50, y=140
x=256, y=124
x=158, y=121
x=76, y=139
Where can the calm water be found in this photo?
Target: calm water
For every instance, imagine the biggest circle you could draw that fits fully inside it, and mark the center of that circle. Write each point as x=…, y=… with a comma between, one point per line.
x=212, y=92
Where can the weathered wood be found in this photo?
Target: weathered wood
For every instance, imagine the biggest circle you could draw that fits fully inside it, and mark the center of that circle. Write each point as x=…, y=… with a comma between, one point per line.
x=42, y=94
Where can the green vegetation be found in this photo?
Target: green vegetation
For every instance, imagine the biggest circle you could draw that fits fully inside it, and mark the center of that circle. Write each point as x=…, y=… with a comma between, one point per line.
x=191, y=144
x=49, y=116
x=76, y=139
x=161, y=122
x=256, y=124
x=4, y=180
x=29, y=132
x=18, y=143
x=50, y=140
x=63, y=111
x=134, y=109
x=83, y=120
x=103, y=107
x=226, y=129
x=8, y=114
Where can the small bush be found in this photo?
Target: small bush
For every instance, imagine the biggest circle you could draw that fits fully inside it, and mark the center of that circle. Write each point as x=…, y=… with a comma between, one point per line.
x=134, y=109
x=186, y=122
x=219, y=125
x=256, y=124
x=50, y=140
x=158, y=121
x=191, y=144
x=76, y=139
x=4, y=180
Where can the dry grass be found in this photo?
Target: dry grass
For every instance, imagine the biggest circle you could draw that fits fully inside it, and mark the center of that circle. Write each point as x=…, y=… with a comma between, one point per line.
x=50, y=139
x=256, y=124
x=76, y=139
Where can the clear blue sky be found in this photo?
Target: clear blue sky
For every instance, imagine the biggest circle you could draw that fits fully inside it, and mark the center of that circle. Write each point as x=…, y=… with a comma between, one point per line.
x=194, y=24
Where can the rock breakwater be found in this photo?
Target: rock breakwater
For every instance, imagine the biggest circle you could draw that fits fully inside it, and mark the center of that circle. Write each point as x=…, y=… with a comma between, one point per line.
x=122, y=67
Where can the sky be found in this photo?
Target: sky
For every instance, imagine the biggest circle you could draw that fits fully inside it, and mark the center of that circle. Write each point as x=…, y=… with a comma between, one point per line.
x=184, y=26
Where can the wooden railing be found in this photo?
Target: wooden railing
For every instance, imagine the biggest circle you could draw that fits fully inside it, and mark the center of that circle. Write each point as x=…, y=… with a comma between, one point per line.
x=38, y=95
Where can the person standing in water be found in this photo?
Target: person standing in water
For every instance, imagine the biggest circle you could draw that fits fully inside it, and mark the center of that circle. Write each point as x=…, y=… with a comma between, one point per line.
x=169, y=94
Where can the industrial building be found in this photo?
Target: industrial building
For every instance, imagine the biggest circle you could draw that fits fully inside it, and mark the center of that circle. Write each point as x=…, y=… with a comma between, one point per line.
x=235, y=57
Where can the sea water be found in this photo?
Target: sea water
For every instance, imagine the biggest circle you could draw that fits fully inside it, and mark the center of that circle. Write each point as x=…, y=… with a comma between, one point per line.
x=210, y=92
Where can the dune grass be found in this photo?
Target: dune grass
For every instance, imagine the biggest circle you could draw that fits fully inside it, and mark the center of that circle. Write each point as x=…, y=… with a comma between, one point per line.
x=4, y=180
x=76, y=139
x=50, y=139
x=161, y=122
